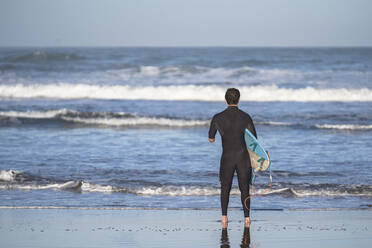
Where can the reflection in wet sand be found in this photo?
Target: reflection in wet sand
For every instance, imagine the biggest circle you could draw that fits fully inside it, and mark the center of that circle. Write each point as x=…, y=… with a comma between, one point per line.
x=225, y=239
x=246, y=239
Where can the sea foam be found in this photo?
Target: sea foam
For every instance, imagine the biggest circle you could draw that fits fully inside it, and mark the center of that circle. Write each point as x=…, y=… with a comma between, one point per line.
x=181, y=92
x=8, y=175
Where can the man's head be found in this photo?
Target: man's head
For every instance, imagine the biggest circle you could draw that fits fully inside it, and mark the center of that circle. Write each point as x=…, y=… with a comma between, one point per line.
x=232, y=96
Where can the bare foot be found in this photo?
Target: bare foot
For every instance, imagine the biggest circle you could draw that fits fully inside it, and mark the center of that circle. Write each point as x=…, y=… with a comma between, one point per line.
x=224, y=221
x=247, y=222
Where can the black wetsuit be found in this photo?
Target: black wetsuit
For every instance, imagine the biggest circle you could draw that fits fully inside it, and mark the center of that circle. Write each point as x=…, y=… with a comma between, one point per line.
x=231, y=124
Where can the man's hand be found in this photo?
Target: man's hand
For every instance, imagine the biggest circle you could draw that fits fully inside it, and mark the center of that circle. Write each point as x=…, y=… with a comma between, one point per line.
x=251, y=190
x=211, y=140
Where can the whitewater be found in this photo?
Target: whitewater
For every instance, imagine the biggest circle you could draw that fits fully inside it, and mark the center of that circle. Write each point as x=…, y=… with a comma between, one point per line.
x=190, y=93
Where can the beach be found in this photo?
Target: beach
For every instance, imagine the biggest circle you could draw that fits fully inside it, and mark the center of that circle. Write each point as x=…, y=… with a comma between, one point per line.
x=127, y=124
x=92, y=227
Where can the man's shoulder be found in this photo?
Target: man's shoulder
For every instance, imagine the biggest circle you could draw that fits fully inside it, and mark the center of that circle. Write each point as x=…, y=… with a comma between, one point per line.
x=245, y=114
x=219, y=115
x=242, y=112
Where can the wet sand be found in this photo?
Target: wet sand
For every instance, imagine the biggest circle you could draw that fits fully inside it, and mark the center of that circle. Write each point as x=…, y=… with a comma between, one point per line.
x=183, y=228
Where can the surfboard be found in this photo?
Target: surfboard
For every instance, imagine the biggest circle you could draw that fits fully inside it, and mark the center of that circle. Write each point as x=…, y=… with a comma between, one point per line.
x=260, y=161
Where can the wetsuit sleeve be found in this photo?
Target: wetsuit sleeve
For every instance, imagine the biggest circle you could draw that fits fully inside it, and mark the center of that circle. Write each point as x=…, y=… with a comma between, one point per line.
x=212, y=129
x=251, y=127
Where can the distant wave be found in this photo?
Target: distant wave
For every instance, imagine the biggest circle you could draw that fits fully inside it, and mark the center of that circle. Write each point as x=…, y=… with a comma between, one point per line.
x=344, y=127
x=182, y=92
x=274, y=123
x=43, y=56
x=96, y=118
x=120, y=119
x=102, y=71
x=189, y=74
x=139, y=121
x=340, y=127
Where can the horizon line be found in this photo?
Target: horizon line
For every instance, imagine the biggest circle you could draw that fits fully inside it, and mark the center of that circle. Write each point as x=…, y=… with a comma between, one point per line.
x=180, y=46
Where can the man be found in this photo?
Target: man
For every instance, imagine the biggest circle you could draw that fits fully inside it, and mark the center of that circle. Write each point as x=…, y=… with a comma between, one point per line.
x=231, y=124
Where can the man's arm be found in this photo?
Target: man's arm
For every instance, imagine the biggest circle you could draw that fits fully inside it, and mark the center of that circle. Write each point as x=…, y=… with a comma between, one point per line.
x=212, y=130
x=251, y=127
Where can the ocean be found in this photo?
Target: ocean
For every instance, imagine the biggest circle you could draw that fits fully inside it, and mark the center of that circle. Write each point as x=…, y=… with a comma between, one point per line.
x=128, y=127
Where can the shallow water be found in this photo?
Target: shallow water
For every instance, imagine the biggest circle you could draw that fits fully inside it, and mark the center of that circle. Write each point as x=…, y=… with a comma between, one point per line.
x=127, y=127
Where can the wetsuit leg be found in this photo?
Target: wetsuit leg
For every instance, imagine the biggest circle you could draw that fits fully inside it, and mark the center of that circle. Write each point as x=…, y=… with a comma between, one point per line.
x=244, y=177
x=227, y=169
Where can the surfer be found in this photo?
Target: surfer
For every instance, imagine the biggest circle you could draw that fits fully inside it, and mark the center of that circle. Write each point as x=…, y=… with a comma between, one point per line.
x=231, y=124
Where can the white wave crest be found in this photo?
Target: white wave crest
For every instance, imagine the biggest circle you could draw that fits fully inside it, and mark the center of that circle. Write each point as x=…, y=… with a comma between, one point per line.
x=8, y=175
x=91, y=187
x=178, y=191
x=138, y=121
x=328, y=193
x=345, y=127
x=55, y=186
x=274, y=123
x=69, y=185
x=36, y=114
x=194, y=191
x=184, y=74
x=106, y=119
x=185, y=92
x=198, y=74
x=86, y=187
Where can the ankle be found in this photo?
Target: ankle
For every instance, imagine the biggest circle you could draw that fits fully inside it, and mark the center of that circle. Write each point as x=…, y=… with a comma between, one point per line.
x=247, y=221
x=224, y=221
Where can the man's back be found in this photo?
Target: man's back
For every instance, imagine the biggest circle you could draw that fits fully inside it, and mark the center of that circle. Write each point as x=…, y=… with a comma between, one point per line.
x=231, y=124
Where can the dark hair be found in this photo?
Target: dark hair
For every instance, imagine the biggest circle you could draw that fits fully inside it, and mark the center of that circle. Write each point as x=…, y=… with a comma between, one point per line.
x=232, y=96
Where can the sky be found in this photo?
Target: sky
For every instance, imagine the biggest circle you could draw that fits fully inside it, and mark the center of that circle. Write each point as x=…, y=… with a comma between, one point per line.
x=186, y=23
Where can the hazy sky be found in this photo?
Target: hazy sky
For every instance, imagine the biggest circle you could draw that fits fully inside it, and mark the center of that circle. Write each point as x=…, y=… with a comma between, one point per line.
x=185, y=23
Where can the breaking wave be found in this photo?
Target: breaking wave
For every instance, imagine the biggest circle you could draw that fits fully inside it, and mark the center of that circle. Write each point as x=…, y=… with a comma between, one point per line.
x=9, y=181
x=8, y=175
x=61, y=186
x=274, y=123
x=193, y=74
x=181, y=92
x=96, y=118
x=337, y=127
x=120, y=119
x=172, y=190
x=345, y=127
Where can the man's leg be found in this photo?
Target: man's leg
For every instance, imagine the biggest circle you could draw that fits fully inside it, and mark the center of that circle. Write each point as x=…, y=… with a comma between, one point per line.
x=244, y=177
x=226, y=178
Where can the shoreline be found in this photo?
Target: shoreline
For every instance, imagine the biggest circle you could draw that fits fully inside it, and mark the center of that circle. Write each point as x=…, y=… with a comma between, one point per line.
x=367, y=208
x=182, y=228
